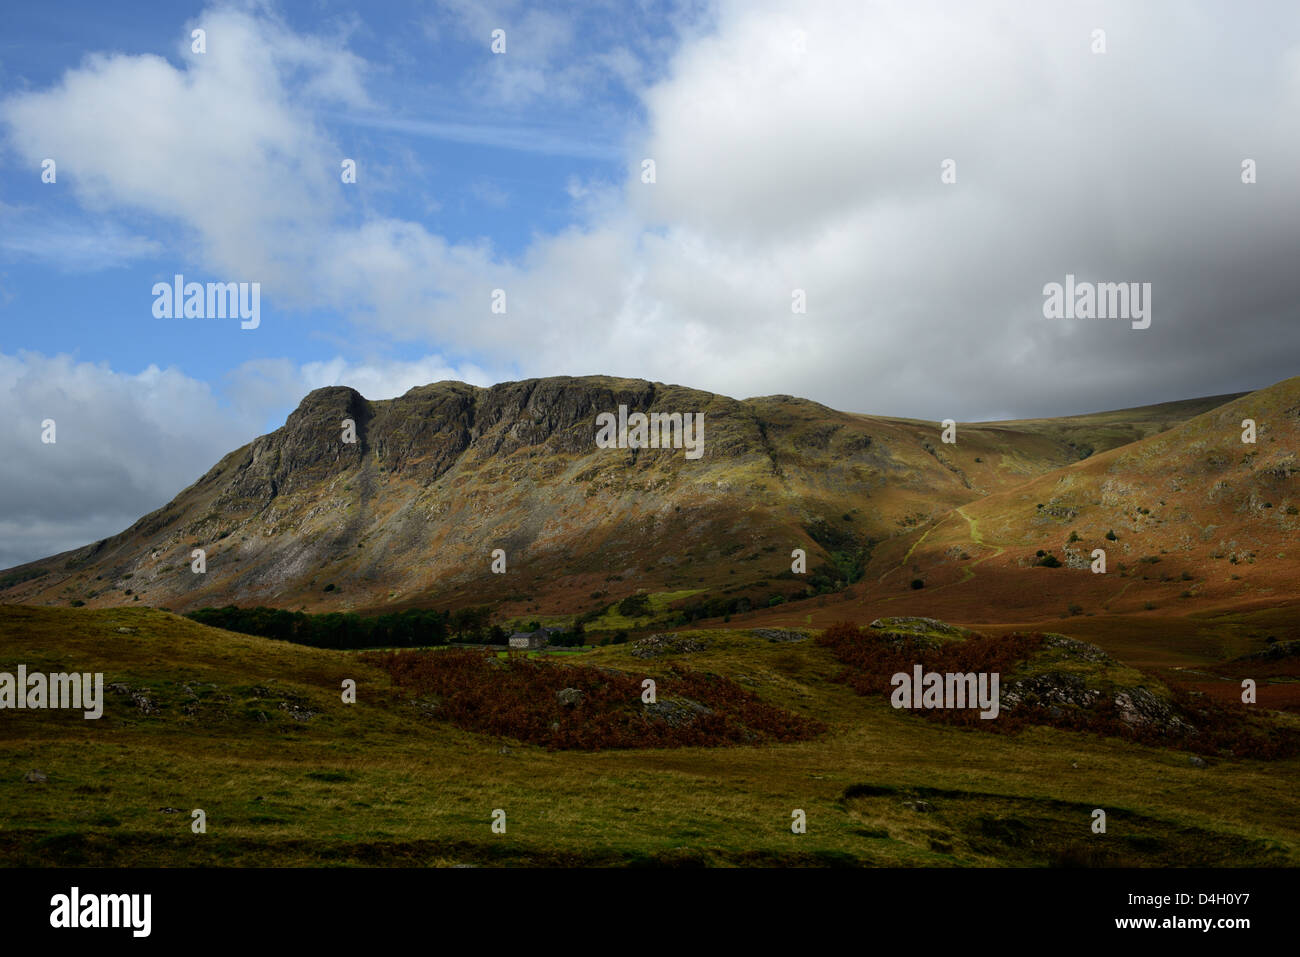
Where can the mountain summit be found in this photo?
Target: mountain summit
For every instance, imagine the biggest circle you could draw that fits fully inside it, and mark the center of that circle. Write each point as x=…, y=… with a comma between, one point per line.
x=366, y=505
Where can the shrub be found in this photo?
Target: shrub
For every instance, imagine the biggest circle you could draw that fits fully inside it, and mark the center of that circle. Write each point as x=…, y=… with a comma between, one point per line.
x=917, y=583
x=1111, y=536
x=519, y=700
x=634, y=606
x=1050, y=561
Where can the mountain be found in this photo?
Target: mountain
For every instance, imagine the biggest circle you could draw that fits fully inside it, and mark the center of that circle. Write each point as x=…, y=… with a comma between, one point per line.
x=1190, y=519
x=411, y=511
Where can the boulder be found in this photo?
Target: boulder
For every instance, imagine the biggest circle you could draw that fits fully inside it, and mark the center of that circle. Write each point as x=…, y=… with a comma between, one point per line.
x=1139, y=708
x=569, y=697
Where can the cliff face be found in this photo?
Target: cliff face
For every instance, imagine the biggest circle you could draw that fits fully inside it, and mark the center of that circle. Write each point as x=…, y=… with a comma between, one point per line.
x=437, y=479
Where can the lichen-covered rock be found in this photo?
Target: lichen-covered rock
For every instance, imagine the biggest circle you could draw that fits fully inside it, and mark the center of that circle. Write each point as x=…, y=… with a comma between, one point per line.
x=1077, y=560
x=1051, y=689
x=1075, y=648
x=665, y=644
x=137, y=695
x=676, y=712
x=1138, y=707
x=778, y=635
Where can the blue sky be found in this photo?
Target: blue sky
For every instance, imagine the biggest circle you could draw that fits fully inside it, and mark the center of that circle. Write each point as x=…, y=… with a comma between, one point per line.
x=435, y=147
x=798, y=147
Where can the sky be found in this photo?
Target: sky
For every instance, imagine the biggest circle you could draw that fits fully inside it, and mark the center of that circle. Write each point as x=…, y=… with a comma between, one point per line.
x=915, y=172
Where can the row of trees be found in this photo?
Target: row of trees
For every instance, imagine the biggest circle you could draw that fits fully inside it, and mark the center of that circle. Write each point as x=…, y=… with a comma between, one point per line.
x=414, y=628
x=406, y=629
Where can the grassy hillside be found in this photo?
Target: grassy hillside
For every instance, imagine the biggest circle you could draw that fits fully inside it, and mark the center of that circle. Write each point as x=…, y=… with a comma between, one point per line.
x=1192, y=521
x=409, y=514
x=254, y=732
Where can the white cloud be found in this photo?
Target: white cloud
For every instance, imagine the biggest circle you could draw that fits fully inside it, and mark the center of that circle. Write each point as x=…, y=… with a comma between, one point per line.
x=225, y=145
x=70, y=245
x=125, y=444
x=777, y=170
x=273, y=387
x=543, y=59
x=489, y=194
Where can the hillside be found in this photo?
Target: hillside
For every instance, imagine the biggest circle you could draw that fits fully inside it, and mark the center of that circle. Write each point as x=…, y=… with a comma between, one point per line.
x=437, y=479
x=255, y=733
x=1192, y=520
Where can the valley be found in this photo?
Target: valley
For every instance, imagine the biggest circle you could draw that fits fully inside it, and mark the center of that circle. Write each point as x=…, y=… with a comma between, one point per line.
x=467, y=514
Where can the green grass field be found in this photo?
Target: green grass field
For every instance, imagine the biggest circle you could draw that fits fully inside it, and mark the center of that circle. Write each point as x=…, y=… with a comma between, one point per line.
x=377, y=783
